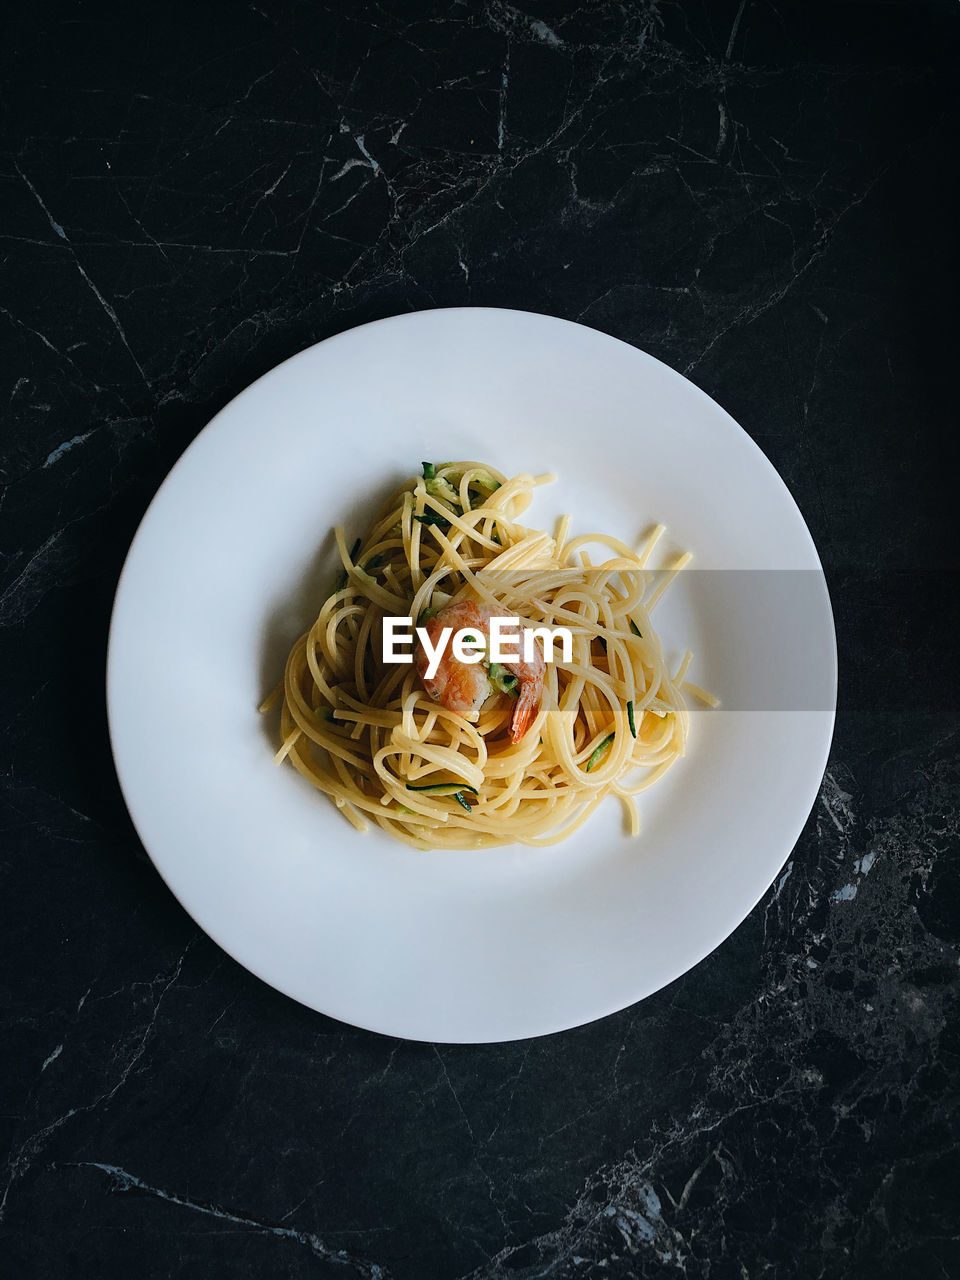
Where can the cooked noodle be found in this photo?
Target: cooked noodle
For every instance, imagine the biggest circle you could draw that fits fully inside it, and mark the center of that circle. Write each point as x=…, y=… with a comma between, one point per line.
x=365, y=732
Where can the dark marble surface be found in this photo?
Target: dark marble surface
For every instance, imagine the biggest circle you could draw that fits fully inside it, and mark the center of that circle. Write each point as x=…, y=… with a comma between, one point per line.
x=759, y=193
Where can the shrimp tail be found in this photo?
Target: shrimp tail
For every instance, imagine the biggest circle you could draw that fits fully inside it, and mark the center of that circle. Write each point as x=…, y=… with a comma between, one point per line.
x=528, y=704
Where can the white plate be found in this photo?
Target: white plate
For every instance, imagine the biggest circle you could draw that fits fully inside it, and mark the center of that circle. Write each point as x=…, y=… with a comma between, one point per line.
x=230, y=564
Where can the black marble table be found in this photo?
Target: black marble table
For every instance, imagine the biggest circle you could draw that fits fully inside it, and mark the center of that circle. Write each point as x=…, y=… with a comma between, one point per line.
x=760, y=193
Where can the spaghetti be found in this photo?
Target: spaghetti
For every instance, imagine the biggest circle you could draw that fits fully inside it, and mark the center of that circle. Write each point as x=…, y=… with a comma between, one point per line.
x=367, y=734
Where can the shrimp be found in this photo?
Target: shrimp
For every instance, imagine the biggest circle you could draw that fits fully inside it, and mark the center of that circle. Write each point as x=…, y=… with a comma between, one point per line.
x=464, y=687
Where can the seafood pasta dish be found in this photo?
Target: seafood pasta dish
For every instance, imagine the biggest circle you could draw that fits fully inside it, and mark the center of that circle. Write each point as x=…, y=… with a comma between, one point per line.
x=470, y=681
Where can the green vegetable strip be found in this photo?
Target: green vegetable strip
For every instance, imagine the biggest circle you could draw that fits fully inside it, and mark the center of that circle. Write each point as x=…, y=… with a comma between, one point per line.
x=444, y=490
x=484, y=482
x=503, y=679
x=455, y=789
x=635, y=629
x=431, y=517
x=633, y=727
x=429, y=471
x=599, y=751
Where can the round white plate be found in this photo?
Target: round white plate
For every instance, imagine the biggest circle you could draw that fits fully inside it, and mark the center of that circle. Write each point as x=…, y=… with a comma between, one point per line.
x=231, y=563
